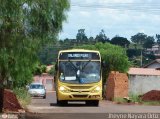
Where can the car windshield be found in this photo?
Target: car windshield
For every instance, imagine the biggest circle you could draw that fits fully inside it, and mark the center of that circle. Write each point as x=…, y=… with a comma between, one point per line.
x=36, y=86
x=79, y=72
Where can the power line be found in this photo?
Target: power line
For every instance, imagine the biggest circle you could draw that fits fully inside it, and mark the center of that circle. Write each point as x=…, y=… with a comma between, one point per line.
x=151, y=8
x=142, y=7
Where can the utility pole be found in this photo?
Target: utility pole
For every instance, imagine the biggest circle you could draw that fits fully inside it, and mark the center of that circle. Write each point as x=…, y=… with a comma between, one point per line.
x=141, y=58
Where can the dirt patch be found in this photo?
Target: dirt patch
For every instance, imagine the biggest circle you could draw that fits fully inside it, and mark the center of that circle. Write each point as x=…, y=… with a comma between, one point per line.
x=153, y=95
x=10, y=102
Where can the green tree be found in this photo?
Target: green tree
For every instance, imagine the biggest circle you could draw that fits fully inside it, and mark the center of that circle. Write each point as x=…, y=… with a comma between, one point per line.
x=48, y=54
x=139, y=38
x=149, y=42
x=81, y=36
x=39, y=69
x=114, y=56
x=91, y=40
x=25, y=26
x=102, y=37
x=121, y=41
x=132, y=53
x=158, y=38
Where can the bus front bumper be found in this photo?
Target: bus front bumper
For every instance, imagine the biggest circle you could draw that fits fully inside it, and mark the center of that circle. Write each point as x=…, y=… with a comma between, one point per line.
x=79, y=96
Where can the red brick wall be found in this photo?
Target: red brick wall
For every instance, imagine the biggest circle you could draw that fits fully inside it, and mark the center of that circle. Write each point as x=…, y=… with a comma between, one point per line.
x=117, y=86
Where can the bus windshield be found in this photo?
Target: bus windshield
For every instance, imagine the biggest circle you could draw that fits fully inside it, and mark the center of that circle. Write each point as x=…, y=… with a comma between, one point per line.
x=79, y=72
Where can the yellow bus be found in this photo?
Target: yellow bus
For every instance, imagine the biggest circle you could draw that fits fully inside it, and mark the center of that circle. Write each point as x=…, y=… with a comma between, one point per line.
x=78, y=76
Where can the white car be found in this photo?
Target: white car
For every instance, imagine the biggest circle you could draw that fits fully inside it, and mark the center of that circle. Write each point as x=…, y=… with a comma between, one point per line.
x=37, y=90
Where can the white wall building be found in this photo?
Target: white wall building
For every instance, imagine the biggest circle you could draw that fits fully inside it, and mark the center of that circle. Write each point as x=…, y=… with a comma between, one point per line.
x=142, y=80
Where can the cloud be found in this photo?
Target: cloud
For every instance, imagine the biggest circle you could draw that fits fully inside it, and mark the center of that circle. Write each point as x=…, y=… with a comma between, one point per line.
x=115, y=1
x=85, y=13
x=123, y=17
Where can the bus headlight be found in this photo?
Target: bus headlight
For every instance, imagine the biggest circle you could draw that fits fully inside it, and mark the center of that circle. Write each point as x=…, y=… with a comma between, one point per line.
x=97, y=89
x=61, y=88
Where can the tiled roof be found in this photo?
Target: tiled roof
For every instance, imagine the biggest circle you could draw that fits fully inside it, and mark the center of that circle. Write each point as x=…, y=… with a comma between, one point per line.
x=152, y=62
x=143, y=71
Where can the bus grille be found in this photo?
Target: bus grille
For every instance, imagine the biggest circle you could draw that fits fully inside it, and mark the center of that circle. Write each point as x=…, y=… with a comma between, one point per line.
x=80, y=87
x=76, y=91
x=80, y=96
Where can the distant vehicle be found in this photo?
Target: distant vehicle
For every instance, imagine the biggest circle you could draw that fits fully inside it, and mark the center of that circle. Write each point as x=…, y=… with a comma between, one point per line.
x=37, y=90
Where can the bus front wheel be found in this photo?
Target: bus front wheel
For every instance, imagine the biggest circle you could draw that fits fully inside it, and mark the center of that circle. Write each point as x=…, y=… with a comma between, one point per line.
x=61, y=102
x=92, y=102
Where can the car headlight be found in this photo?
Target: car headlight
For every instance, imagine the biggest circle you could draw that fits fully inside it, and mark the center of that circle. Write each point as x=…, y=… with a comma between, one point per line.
x=43, y=92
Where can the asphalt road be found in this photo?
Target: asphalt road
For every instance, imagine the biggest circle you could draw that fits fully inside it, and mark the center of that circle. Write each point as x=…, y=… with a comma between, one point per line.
x=47, y=109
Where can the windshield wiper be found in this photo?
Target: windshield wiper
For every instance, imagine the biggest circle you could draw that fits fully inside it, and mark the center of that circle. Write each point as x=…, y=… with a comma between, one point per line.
x=73, y=65
x=86, y=64
x=78, y=68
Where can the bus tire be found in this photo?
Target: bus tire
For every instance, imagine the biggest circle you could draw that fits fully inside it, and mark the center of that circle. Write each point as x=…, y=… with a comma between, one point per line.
x=61, y=102
x=92, y=103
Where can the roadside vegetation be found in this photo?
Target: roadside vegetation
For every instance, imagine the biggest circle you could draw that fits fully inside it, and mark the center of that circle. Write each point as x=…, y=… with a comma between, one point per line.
x=135, y=99
x=25, y=27
x=23, y=96
x=156, y=103
x=136, y=46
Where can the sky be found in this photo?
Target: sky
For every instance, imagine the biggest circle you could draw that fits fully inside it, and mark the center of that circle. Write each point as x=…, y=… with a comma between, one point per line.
x=124, y=18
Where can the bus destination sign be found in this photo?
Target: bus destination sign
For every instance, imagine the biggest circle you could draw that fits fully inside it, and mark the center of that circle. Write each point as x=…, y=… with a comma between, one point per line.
x=79, y=55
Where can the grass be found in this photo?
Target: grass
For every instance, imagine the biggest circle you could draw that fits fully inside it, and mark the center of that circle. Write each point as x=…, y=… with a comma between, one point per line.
x=155, y=103
x=136, y=99
x=120, y=100
x=23, y=96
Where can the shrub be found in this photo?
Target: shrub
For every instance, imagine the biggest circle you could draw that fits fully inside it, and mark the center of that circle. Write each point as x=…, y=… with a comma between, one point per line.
x=23, y=96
